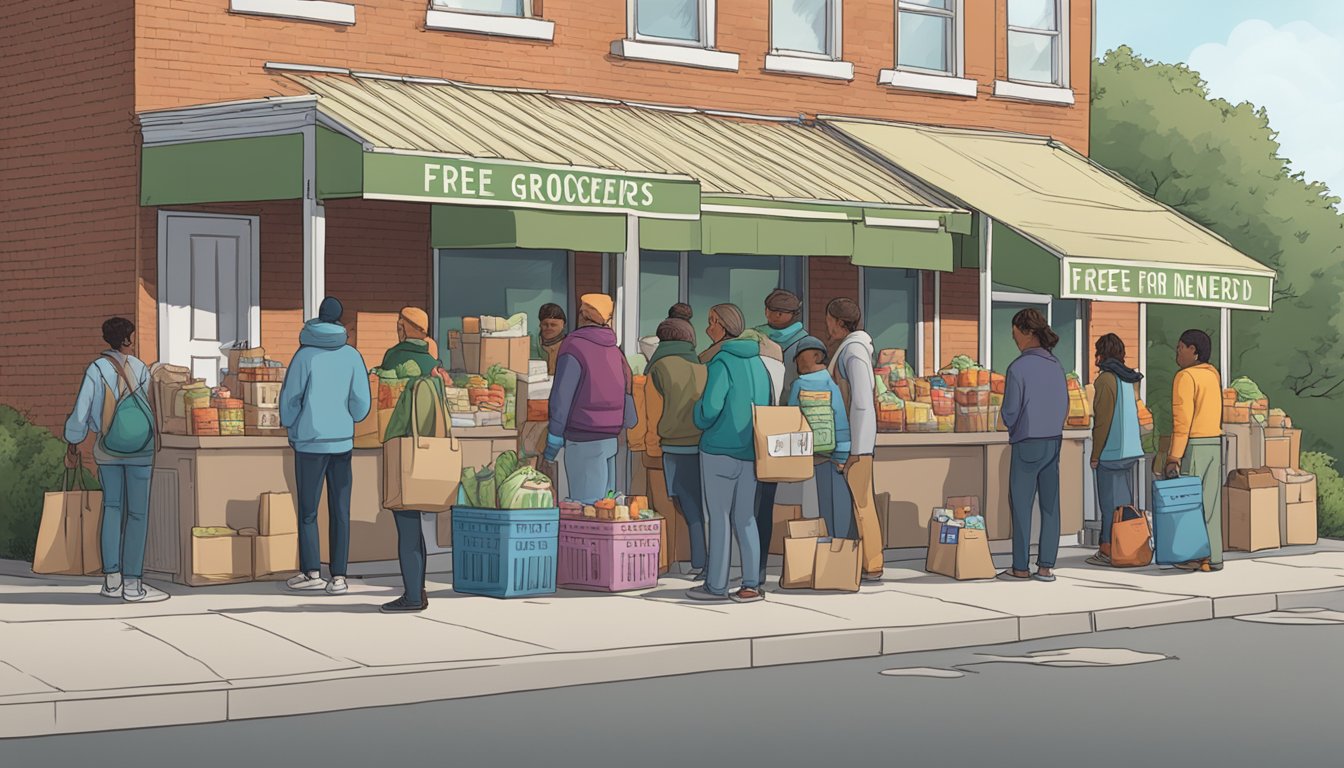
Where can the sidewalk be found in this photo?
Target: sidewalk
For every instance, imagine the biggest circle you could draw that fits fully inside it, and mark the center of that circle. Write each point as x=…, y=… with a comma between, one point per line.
x=71, y=661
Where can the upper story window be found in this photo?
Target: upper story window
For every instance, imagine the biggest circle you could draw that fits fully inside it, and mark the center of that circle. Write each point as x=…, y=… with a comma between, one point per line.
x=1036, y=41
x=493, y=7
x=926, y=36
x=683, y=22
x=806, y=27
x=499, y=18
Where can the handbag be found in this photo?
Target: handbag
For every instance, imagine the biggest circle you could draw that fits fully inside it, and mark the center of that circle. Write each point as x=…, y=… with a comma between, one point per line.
x=1131, y=538
x=422, y=473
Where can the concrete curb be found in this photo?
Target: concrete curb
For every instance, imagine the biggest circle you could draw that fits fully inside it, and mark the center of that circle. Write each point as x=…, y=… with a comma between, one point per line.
x=85, y=712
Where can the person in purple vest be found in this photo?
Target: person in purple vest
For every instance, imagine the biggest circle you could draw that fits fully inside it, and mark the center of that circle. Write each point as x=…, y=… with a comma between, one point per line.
x=591, y=402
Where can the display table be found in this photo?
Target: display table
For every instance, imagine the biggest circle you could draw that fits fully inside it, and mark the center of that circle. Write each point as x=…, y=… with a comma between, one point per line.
x=920, y=471
x=218, y=482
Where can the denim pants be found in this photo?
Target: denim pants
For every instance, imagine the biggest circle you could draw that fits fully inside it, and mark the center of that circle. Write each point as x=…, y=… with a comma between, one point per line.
x=590, y=469
x=411, y=553
x=310, y=471
x=1204, y=459
x=836, y=502
x=1033, y=475
x=681, y=471
x=765, y=519
x=729, y=486
x=125, y=518
x=1115, y=488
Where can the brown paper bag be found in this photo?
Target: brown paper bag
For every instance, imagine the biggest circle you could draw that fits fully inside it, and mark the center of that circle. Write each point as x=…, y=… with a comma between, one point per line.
x=422, y=473
x=837, y=565
x=966, y=559
x=91, y=532
x=62, y=534
x=367, y=433
x=800, y=552
x=783, y=441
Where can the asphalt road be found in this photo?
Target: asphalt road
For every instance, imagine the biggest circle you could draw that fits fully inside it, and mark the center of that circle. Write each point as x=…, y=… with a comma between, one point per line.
x=1225, y=693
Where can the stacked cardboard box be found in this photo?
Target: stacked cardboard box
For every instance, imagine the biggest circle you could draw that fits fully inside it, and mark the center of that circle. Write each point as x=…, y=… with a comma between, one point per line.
x=261, y=408
x=275, y=549
x=1252, y=519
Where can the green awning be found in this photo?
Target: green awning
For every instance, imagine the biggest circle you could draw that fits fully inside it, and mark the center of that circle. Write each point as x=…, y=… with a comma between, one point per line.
x=229, y=170
x=775, y=237
x=902, y=248
x=461, y=226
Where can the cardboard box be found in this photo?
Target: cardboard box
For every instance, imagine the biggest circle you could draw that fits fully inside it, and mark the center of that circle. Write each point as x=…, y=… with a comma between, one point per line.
x=1252, y=510
x=470, y=358
x=261, y=418
x=783, y=440
x=471, y=325
x=800, y=552
x=265, y=394
x=837, y=566
x=784, y=514
x=275, y=556
x=1297, y=523
x=221, y=558
x=277, y=515
x=510, y=353
x=1277, y=452
x=237, y=356
x=1295, y=444
x=1295, y=486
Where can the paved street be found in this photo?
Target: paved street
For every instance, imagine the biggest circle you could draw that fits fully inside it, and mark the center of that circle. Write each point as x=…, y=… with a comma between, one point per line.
x=1232, y=693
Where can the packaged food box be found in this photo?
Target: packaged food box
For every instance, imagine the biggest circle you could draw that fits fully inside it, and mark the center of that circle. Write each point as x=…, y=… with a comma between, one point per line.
x=262, y=393
x=205, y=422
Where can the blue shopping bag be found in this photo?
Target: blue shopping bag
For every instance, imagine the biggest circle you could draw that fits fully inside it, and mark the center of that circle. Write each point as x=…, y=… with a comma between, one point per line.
x=1179, y=532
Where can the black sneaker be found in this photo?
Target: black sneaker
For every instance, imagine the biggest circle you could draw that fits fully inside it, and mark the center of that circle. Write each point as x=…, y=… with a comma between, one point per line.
x=402, y=605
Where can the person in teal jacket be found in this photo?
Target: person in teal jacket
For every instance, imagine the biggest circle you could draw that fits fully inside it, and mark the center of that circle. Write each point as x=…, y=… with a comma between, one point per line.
x=736, y=380
x=833, y=496
x=326, y=392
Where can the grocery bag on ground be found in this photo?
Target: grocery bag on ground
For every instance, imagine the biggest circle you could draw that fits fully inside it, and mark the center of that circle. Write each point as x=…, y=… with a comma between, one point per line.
x=1131, y=538
x=958, y=552
x=422, y=473
x=783, y=442
x=68, y=534
x=800, y=552
x=838, y=565
x=1179, y=532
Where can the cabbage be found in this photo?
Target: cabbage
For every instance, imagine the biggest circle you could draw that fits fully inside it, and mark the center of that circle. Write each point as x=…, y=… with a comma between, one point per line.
x=963, y=363
x=409, y=370
x=526, y=488
x=1247, y=390
x=506, y=465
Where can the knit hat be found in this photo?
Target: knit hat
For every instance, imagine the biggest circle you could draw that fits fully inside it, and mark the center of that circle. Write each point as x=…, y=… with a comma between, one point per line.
x=416, y=317
x=600, y=303
x=812, y=342
x=781, y=300
x=730, y=317
x=330, y=310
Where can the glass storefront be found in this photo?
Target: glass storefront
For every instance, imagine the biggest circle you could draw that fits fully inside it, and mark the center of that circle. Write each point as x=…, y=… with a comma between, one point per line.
x=891, y=306
x=500, y=281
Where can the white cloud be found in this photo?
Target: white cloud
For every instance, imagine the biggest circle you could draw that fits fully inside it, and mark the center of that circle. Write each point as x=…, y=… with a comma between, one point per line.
x=1293, y=71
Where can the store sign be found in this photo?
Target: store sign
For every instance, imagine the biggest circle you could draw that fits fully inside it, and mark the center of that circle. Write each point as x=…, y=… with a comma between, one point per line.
x=1161, y=285
x=389, y=176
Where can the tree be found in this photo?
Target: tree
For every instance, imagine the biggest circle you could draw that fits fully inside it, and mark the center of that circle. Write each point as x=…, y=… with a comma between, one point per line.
x=1219, y=164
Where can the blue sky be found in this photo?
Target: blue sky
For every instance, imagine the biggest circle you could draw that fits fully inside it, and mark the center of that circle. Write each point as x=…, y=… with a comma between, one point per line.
x=1284, y=55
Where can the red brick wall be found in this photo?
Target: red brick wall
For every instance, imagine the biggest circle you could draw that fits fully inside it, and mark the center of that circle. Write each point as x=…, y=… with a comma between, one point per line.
x=67, y=195
x=1119, y=318
x=587, y=279
x=828, y=278
x=961, y=315
x=930, y=365
x=193, y=51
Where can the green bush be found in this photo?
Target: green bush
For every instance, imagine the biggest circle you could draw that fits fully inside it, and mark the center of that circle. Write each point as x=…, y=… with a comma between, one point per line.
x=1329, y=494
x=31, y=463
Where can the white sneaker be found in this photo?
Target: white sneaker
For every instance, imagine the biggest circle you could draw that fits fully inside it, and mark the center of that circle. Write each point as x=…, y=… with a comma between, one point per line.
x=112, y=585
x=136, y=591
x=306, y=582
x=337, y=586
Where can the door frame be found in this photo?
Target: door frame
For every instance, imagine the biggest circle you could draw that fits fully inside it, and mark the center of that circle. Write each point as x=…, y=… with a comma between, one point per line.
x=254, y=305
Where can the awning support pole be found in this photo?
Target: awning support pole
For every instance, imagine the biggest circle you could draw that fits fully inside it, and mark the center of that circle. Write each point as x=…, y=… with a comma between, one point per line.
x=627, y=289
x=986, y=289
x=1143, y=351
x=1225, y=344
x=314, y=228
x=931, y=369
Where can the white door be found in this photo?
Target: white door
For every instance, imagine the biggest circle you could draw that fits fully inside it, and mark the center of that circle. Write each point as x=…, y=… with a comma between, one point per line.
x=208, y=289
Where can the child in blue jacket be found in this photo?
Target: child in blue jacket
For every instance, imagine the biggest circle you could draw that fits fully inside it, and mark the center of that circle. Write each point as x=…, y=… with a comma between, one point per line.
x=833, y=497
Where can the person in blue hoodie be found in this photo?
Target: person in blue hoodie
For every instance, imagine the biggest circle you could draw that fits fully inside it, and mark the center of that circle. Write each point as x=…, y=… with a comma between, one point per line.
x=1116, y=442
x=735, y=380
x=833, y=496
x=326, y=392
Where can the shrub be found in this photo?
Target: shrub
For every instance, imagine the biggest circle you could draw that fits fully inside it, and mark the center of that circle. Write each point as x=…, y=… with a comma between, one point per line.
x=1329, y=494
x=31, y=463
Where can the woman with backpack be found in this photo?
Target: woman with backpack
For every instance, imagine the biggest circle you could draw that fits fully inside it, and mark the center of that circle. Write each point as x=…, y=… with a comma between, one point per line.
x=113, y=403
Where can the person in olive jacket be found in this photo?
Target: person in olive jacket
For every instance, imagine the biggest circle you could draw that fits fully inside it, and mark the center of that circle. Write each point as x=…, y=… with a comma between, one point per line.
x=678, y=377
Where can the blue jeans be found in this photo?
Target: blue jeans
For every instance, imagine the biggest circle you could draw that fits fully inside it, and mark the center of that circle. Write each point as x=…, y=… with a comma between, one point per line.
x=835, y=502
x=1034, y=472
x=411, y=553
x=310, y=471
x=125, y=518
x=730, y=502
x=765, y=519
x=590, y=469
x=1115, y=488
x=681, y=471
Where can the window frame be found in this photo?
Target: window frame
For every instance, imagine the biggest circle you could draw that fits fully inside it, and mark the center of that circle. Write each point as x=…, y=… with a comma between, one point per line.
x=446, y=5
x=707, y=9
x=835, y=18
x=1060, y=59
x=1008, y=295
x=915, y=357
x=955, y=38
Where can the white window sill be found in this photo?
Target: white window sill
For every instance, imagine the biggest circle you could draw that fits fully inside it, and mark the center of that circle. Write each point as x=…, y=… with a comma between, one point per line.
x=1046, y=94
x=486, y=24
x=682, y=55
x=302, y=10
x=917, y=81
x=802, y=65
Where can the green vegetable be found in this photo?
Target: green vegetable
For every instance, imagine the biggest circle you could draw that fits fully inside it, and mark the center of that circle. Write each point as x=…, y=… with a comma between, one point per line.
x=1247, y=390
x=409, y=370
x=526, y=488
x=506, y=464
x=964, y=363
x=882, y=388
x=471, y=487
x=891, y=398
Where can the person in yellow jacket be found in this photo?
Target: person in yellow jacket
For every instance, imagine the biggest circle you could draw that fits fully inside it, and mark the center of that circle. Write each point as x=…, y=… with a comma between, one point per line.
x=1197, y=436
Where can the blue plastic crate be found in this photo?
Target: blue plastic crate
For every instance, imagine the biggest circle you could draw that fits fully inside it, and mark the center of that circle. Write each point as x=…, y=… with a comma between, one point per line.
x=505, y=552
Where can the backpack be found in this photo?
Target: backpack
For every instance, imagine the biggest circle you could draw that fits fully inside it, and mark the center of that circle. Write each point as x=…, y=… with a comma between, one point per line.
x=130, y=431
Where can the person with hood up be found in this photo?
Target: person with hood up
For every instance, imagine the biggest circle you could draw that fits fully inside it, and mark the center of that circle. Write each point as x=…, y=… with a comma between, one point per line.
x=1116, y=443
x=591, y=402
x=735, y=381
x=415, y=344
x=325, y=393
x=835, y=503
x=676, y=383
x=852, y=369
x=550, y=334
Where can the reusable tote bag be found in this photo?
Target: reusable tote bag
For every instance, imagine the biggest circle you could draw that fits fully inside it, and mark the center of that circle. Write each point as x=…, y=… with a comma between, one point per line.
x=67, y=537
x=422, y=473
x=1131, y=538
x=1179, y=533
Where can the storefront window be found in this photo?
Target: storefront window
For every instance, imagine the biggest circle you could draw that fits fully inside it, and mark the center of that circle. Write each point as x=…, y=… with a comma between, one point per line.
x=741, y=280
x=1064, y=319
x=659, y=288
x=500, y=282
x=891, y=309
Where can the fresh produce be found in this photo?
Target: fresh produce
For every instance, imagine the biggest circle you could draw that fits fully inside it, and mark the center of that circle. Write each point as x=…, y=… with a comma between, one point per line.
x=1247, y=390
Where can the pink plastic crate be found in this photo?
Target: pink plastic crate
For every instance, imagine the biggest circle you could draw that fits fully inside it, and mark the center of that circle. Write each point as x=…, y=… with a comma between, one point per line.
x=609, y=556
